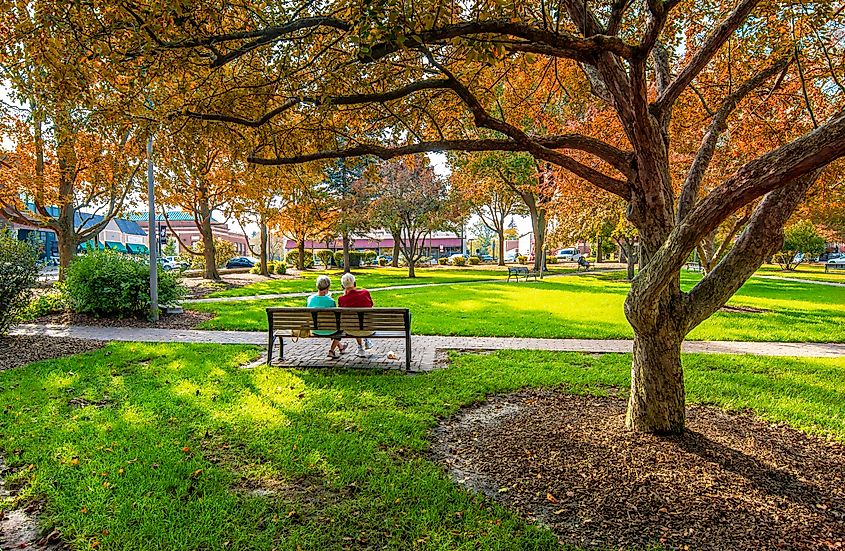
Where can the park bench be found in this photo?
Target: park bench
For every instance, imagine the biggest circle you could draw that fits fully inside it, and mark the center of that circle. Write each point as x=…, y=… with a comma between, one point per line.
x=833, y=266
x=521, y=271
x=694, y=267
x=583, y=263
x=380, y=323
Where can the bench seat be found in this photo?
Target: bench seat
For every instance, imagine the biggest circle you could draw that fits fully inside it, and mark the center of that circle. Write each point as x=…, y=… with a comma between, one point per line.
x=376, y=323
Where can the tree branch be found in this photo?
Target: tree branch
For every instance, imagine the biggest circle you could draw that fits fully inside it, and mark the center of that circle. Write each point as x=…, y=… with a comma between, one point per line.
x=704, y=54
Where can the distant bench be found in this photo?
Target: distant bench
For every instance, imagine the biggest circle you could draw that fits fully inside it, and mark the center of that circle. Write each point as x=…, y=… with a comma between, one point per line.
x=377, y=323
x=521, y=271
x=829, y=267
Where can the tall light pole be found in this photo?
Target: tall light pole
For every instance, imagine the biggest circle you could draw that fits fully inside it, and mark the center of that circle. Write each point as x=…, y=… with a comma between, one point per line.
x=151, y=231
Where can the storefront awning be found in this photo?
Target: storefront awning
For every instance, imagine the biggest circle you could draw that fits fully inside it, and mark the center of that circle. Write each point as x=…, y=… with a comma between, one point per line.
x=137, y=248
x=117, y=246
x=89, y=245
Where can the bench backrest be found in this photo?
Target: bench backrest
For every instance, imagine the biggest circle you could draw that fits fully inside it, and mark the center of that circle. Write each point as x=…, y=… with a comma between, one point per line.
x=339, y=319
x=518, y=269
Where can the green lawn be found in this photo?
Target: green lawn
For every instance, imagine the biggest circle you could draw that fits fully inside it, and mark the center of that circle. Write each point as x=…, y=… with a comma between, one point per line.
x=586, y=306
x=180, y=431
x=374, y=278
x=810, y=272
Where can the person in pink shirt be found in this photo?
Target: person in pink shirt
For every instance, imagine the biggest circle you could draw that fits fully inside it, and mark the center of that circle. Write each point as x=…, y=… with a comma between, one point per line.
x=353, y=297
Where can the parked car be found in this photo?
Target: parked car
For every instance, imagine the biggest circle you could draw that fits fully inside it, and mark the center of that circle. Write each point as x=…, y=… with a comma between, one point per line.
x=838, y=261
x=510, y=256
x=176, y=262
x=241, y=262
x=485, y=258
x=824, y=257
x=570, y=254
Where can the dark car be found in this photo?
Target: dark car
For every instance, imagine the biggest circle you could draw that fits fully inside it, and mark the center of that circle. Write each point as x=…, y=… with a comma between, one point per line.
x=241, y=262
x=485, y=258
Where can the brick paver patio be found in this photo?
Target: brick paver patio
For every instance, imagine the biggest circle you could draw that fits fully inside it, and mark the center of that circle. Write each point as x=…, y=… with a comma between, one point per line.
x=312, y=352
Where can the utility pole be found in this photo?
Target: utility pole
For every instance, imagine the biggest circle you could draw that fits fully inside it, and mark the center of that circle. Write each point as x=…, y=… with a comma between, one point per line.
x=152, y=232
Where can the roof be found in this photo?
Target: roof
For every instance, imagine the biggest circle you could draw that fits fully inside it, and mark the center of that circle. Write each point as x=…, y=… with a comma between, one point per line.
x=129, y=227
x=172, y=215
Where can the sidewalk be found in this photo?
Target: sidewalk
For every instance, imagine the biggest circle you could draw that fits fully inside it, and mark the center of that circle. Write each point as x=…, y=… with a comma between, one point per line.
x=311, y=352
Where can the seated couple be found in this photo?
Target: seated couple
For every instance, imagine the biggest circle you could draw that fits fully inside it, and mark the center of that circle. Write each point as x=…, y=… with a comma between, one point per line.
x=351, y=298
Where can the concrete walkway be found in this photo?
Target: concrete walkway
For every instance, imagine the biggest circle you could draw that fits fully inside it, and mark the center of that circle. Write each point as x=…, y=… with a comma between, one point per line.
x=796, y=280
x=311, y=352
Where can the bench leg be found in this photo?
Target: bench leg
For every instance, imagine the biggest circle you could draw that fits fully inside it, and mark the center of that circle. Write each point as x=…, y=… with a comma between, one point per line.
x=270, y=349
x=408, y=354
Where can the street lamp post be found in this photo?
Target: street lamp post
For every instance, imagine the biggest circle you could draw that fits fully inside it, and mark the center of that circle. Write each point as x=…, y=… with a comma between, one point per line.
x=151, y=232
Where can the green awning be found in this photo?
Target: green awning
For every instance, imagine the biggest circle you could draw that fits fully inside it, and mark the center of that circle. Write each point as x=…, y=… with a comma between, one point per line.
x=117, y=246
x=137, y=248
x=88, y=246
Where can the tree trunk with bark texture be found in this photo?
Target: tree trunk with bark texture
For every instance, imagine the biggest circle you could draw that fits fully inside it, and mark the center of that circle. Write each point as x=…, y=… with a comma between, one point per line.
x=346, y=267
x=264, y=246
x=501, y=248
x=396, y=250
x=300, y=262
x=538, y=226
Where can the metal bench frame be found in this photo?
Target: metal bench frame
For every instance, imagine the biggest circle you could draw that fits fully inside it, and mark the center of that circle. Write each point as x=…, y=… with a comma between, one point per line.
x=321, y=319
x=516, y=271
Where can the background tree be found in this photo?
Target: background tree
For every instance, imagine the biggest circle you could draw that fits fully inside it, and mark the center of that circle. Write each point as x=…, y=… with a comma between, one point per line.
x=307, y=211
x=343, y=185
x=256, y=198
x=408, y=195
x=801, y=241
x=487, y=197
x=199, y=176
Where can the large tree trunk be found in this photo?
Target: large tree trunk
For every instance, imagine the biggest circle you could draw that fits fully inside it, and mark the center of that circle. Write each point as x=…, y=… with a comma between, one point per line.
x=538, y=226
x=346, y=267
x=396, y=250
x=657, y=382
x=501, y=248
x=67, y=250
x=598, y=249
x=209, y=250
x=300, y=261
x=264, y=256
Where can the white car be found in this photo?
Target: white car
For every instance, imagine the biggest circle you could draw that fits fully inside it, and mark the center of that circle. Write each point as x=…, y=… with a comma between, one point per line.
x=570, y=254
x=511, y=256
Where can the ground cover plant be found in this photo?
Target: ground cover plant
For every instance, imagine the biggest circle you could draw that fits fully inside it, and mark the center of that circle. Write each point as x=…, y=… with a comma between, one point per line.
x=375, y=278
x=119, y=442
x=587, y=306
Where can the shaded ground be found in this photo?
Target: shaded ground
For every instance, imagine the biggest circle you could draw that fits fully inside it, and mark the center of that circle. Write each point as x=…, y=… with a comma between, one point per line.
x=201, y=288
x=732, y=482
x=186, y=320
x=19, y=350
x=19, y=528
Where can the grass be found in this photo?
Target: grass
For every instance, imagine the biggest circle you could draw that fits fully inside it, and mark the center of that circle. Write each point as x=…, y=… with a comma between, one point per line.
x=810, y=272
x=375, y=278
x=587, y=306
x=181, y=427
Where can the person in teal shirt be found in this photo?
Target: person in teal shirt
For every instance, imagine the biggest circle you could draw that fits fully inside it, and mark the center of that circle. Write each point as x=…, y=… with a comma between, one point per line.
x=323, y=300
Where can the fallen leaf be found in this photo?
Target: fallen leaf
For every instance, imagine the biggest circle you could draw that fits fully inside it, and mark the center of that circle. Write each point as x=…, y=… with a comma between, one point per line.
x=550, y=498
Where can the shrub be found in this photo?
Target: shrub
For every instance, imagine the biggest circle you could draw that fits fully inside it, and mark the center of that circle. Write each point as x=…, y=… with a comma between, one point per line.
x=293, y=256
x=18, y=273
x=522, y=259
x=354, y=259
x=105, y=283
x=223, y=252
x=369, y=256
x=443, y=260
x=326, y=257
x=459, y=261
x=52, y=302
x=551, y=260
x=474, y=261
x=382, y=262
x=281, y=269
x=271, y=267
x=256, y=269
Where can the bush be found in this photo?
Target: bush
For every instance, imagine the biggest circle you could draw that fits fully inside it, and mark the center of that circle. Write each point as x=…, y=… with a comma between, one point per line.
x=326, y=257
x=459, y=261
x=53, y=302
x=293, y=256
x=271, y=267
x=256, y=269
x=281, y=269
x=223, y=252
x=551, y=260
x=18, y=273
x=522, y=259
x=474, y=261
x=443, y=260
x=382, y=262
x=106, y=283
x=354, y=259
x=369, y=256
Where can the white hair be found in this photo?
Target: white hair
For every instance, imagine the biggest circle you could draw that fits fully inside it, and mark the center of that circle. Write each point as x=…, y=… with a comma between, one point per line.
x=323, y=283
x=347, y=281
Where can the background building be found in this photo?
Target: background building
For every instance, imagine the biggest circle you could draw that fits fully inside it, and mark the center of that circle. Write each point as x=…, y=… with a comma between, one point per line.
x=184, y=228
x=435, y=245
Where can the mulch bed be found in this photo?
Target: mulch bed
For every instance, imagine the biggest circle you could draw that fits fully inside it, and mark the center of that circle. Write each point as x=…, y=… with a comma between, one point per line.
x=16, y=351
x=732, y=481
x=186, y=320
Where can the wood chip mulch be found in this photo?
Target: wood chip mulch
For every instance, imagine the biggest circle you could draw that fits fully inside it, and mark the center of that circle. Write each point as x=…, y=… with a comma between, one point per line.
x=16, y=351
x=732, y=481
x=186, y=320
